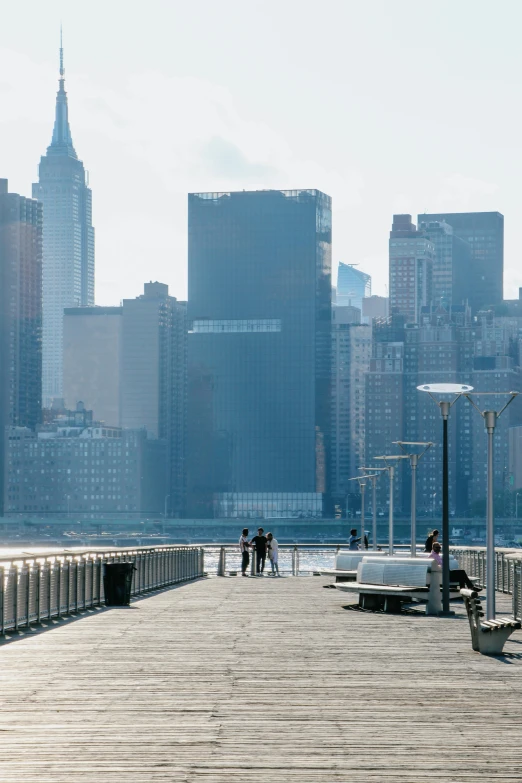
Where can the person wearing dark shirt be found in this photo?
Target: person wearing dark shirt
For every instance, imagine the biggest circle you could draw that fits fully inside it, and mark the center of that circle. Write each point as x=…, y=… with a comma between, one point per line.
x=259, y=544
x=428, y=546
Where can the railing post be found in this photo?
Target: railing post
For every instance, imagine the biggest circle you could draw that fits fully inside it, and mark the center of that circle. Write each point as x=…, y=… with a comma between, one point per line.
x=27, y=594
x=2, y=613
x=295, y=561
x=15, y=600
x=514, y=598
x=222, y=562
x=38, y=583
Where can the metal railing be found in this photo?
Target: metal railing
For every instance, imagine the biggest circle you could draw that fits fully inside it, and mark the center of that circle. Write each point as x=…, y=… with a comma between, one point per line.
x=36, y=587
x=508, y=571
x=228, y=558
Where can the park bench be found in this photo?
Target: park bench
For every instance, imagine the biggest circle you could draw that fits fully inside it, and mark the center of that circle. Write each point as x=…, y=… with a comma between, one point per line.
x=487, y=636
x=346, y=564
x=387, y=583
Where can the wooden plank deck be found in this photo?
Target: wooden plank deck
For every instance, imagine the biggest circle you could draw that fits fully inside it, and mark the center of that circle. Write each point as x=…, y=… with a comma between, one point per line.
x=235, y=680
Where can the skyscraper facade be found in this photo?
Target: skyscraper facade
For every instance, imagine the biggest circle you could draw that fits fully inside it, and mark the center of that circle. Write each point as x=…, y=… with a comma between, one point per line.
x=153, y=378
x=484, y=232
x=68, y=240
x=91, y=361
x=411, y=268
x=451, y=264
x=259, y=352
x=352, y=286
x=20, y=315
x=351, y=354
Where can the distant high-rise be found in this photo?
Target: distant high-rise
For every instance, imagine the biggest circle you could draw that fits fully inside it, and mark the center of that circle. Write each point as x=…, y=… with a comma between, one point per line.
x=411, y=266
x=91, y=360
x=68, y=240
x=452, y=268
x=351, y=354
x=259, y=353
x=352, y=286
x=20, y=314
x=153, y=378
x=484, y=232
x=375, y=307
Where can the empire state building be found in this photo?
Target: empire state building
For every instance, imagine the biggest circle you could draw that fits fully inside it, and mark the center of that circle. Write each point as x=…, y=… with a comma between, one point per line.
x=68, y=241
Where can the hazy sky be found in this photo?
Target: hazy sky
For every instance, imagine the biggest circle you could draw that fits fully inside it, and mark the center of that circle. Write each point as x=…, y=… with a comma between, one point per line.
x=387, y=105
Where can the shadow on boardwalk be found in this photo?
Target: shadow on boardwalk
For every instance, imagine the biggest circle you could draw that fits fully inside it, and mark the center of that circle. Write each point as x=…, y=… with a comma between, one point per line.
x=246, y=681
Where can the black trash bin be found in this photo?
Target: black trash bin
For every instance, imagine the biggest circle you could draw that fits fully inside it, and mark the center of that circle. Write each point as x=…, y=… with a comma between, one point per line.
x=117, y=583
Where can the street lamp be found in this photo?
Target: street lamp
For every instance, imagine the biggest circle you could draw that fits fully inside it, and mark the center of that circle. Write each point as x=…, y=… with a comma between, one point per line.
x=391, y=474
x=414, y=458
x=490, y=422
x=374, y=476
x=362, y=486
x=456, y=390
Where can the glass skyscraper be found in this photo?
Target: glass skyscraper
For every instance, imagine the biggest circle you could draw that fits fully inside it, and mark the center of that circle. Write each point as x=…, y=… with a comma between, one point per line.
x=352, y=286
x=259, y=353
x=20, y=315
x=68, y=240
x=484, y=232
x=451, y=264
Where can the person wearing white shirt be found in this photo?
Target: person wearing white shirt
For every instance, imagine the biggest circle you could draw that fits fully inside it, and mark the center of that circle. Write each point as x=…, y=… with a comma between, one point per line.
x=243, y=548
x=273, y=553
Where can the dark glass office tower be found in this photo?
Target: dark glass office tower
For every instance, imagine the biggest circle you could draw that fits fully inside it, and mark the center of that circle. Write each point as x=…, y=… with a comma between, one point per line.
x=484, y=232
x=20, y=314
x=452, y=268
x=259, y=353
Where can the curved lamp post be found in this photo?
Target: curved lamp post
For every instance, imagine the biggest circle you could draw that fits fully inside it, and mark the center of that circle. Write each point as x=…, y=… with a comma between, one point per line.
x=454, y=390
x=490, y=422
x=414, y=457
x=362, y=486
x=391, y=458
x=374, y=476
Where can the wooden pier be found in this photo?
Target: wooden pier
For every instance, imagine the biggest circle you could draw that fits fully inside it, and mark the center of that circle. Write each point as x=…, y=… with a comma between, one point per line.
x=237, y=680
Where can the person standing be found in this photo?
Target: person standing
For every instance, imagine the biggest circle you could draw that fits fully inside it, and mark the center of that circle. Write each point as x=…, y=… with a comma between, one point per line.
x=243, y=548
x=259, y=543
x=273, y=553
x=353, y=541
x=428, y=546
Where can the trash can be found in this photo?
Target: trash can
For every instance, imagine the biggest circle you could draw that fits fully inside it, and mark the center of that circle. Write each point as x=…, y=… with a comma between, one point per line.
x=117, y=582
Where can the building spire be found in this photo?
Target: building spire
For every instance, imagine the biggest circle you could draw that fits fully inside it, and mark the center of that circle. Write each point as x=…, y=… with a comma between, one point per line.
x=62, y=72
x=61, y=143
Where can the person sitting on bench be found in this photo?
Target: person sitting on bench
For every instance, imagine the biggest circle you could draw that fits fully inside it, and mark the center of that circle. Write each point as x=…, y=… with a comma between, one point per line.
x=456, y=574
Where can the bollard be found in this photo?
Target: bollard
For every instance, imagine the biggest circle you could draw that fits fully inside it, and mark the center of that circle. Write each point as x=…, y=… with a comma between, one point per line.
x=222, y=563
x=295, y=561
x=253, y=563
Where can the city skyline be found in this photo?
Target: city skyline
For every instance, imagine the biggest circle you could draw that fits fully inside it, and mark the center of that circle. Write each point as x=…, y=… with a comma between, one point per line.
x=153, y=117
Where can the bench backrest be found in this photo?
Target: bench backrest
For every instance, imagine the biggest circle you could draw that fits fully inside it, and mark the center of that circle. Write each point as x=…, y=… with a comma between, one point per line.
x=475, y=612
x=348, y=561
x=394, y=571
